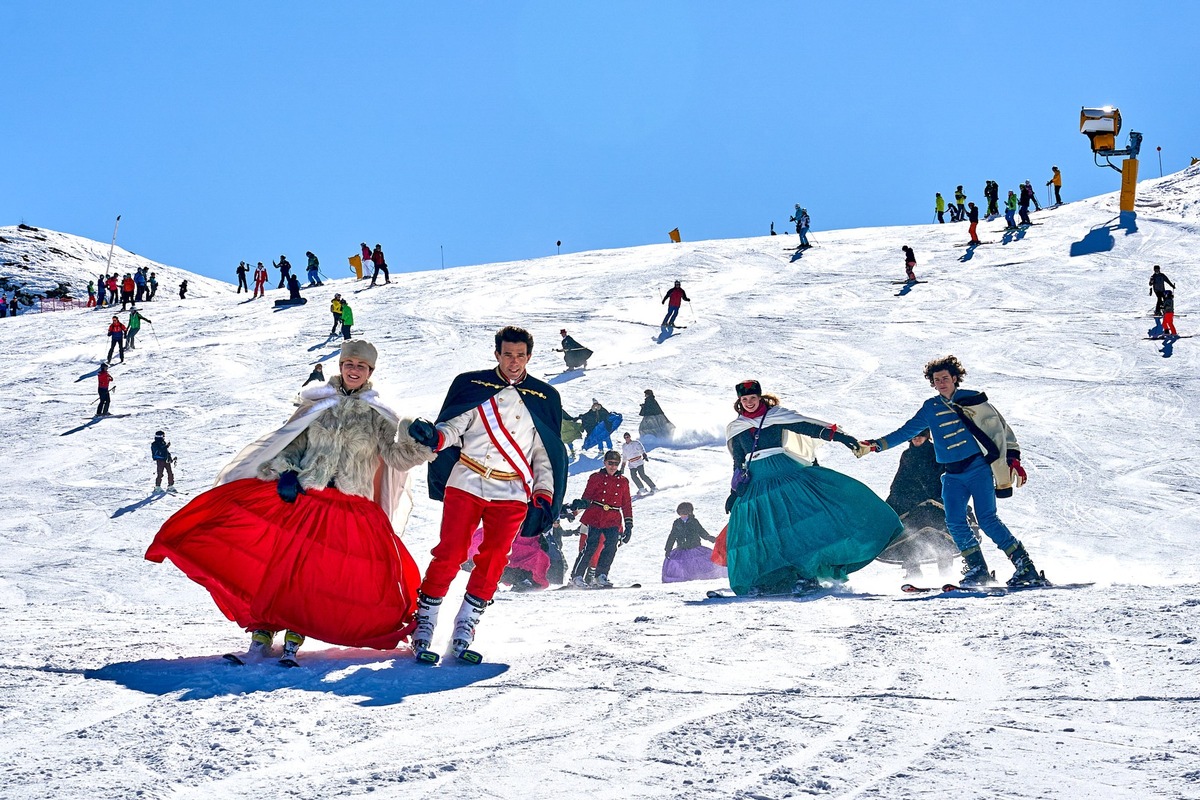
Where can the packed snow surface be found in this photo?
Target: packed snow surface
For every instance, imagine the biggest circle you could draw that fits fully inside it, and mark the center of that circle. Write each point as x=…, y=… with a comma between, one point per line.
x=111, y=678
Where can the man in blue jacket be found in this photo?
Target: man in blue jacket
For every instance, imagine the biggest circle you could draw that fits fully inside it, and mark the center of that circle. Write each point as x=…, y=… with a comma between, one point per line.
x=982, y=460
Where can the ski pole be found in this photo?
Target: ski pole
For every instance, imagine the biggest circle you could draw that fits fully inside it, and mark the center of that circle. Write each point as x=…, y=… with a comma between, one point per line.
x=156, y=341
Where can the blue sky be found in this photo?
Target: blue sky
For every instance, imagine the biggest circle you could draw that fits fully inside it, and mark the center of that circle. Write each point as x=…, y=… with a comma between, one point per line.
x=230, y=131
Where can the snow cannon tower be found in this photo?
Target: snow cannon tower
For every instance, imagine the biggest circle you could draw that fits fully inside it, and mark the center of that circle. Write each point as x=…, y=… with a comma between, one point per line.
x=1101, y=126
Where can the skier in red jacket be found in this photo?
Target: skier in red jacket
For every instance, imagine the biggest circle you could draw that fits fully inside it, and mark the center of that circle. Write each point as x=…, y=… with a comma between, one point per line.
x=608, y=503
x=673, y=298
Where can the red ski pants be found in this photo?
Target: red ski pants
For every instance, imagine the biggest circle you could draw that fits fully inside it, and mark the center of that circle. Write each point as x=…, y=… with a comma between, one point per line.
x=1168, y=324
x=461, y=515
x=971, y=230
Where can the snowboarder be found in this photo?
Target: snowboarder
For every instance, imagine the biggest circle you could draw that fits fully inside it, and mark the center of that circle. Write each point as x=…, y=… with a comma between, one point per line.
x=634, y=456
x=607, y=502
x=1010, y=211
x=574, y=354
x=183, y=290
x=317, y=374
x=293, y=285
x=654, y=421
x=347, y=320
x=135, y=324
x=285, y=270
x=915, y=495
x=793, y=523
x=687, y=559
x=1056, y=182
x=1168, y=320
x=1158, y=282
x=500, y=461
x=314, y=269
x=939, y=207
x=301, y=532
x=241, y=273
x=104, y=384
x=163, y=461
x=973, y=216
x=674, y=298
x=988, y=466
x=116, y=336
x=960, y=197
x=260, y=281
x=802, y=221
x=910, y=262
x=380, y=264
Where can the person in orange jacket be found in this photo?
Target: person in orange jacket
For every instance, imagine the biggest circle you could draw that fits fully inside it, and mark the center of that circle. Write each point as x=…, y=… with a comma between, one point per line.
x=1056, y=182
x=116, y=335
x=127, y=289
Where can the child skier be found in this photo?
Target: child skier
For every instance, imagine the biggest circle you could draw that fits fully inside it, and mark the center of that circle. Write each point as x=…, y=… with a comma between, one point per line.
x=161, y=453
x=910, y=261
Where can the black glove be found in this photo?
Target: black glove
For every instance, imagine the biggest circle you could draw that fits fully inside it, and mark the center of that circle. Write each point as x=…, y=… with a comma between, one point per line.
x=539, y=517
x=288, y=486
x=628, y=531
x=423, y=432
x=580, y=504
x=729, y=501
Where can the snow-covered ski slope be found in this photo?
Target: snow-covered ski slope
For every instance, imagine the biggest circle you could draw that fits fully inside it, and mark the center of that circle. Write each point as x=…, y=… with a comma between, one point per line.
x=111, y=678
x=35, y=261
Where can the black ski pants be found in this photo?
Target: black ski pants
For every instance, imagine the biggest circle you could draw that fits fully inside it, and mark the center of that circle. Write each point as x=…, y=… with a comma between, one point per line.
x=242, y=284
x=118, y=340
x=606, y=540
x=161, y=465
x=375, y=274
x=102, y=408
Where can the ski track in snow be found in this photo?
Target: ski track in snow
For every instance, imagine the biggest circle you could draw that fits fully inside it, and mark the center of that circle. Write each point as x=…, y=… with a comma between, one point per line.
x=111, y=678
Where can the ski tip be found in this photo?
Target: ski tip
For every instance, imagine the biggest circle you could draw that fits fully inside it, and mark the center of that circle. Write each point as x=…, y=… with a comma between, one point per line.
x=234, y=659
x=428, y=657
x=289, y=663
x=470, y=657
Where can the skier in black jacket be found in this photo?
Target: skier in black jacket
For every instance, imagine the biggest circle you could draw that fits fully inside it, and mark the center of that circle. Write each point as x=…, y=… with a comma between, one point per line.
x=161, y=453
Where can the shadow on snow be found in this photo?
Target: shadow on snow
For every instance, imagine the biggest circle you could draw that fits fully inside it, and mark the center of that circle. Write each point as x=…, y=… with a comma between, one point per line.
x=372, y=677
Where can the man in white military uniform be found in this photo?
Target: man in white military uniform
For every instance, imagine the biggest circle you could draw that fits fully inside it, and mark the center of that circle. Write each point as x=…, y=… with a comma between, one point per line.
x=501, y=462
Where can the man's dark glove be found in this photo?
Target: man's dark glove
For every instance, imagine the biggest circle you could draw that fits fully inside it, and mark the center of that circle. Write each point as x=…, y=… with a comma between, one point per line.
x=539, y=517
x=288, y=486
x=729, y=501
x=628, y=531
x=423, y=432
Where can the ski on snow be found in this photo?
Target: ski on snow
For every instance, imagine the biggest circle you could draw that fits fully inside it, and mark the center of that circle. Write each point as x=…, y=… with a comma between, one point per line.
x=430, y=658
x=987, y=590
x=593, y=588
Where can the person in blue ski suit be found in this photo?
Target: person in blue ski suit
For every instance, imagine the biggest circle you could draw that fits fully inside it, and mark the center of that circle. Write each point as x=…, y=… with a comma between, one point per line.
x=982, y=460
x=802, y=221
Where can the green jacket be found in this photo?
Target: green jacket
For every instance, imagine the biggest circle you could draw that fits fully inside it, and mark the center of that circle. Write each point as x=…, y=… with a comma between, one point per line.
x=347, y=314
x=1011, y=202
x=135, y=321
x=939, y=204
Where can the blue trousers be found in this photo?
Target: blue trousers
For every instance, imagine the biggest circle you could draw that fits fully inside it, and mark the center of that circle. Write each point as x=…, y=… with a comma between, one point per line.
x=975, y=484
x=669, y=319
x=803, y=235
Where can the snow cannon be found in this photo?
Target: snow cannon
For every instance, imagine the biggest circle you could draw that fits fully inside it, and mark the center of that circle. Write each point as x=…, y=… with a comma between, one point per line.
x=1101, y=126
